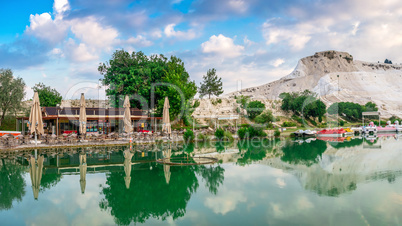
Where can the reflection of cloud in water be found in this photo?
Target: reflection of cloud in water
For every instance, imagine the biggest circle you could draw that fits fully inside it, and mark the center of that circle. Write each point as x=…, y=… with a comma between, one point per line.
x=280, y=182
x=225, y=201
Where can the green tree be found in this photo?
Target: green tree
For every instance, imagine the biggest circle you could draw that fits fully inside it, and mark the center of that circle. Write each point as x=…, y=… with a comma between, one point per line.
x=48, y=97
x=11, y=93
x=148, y=77
x=255, y=108
x=211, y=85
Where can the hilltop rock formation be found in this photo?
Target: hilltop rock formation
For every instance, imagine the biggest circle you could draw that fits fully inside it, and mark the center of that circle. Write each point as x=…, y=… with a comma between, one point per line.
x=337, y=77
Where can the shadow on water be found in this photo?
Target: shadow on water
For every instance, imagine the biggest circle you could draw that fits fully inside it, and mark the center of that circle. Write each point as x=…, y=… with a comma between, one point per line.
x=306, y=153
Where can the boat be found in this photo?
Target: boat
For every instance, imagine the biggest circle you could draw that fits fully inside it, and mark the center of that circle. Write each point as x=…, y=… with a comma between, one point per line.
x=332, y=139
x=308, y=133
x=397, y=126
x=349, y=131
x=371, y=128
x=387, y=128
x=331, y=133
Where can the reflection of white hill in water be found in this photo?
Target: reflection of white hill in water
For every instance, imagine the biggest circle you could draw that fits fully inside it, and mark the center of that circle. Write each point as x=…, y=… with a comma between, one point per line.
x=229, y=155
x=340, y=171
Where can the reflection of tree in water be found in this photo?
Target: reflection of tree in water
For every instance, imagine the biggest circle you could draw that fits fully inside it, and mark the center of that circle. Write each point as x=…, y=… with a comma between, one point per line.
x=49, y=180
x=12, y=184
x=149, y=195
x=213, y=177
x=254, y=151
x=305, y=153
x=346, y=144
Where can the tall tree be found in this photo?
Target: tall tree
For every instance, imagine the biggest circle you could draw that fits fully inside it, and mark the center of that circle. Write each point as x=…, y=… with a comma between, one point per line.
x=211, y=85
x=136, y=73
x=11, y=93
x=48, y=97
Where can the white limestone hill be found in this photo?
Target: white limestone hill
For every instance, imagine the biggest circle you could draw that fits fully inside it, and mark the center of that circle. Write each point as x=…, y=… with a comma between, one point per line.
x=358, y=82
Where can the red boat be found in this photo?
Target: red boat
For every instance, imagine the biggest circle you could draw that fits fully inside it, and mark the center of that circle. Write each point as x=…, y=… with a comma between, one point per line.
x=15, y=133
x=331, y=133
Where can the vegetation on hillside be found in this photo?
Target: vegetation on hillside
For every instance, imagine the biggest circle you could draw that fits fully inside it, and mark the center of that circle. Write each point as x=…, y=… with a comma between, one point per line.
x=351, y=111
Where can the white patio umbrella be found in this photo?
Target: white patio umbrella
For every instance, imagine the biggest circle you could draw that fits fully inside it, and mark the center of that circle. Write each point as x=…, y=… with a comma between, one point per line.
x=127, y=116
x=83, y=115
x=127, y=167
x=83, y=172
x=35, y=118
x=35, y=171
x=166, y=118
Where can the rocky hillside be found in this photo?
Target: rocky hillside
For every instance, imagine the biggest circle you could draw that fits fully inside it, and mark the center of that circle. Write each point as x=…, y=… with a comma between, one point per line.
x=337, y=77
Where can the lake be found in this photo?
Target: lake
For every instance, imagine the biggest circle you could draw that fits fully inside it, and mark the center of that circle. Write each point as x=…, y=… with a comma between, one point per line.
x=275, y=182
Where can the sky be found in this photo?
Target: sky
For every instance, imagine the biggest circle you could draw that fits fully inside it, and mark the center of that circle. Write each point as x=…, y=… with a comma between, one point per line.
x=249, y=42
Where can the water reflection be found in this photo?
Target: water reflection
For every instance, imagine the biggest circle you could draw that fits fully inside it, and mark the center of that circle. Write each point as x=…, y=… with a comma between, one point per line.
x=35, y=171
x=12, y=183
x=129, y=187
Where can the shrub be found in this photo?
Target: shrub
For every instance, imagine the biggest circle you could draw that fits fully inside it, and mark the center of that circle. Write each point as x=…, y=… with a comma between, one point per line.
x=196, y=104
x=227, y=135
x=288, y=124
x=277, y=133
x=244, y=125
x=202, y=137
x=242, y=132
x=219, y=133
x=264, y=117
x=255, y=108
x=188, y=136
x=341, y=122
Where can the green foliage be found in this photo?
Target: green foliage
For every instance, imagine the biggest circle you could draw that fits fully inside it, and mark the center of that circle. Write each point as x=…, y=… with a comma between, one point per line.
x=303, y=103
x=244, y=125
x=8, y=123
x=250, y=132
x=217, y=101
x=188, y=136
x=277, y=133
x=297, y=119
x=255, y=108
x=228, y=136
x=48, y=97
x=11, y=93
x=341, y=122
x=196, y=104
x=242, y=132
x=219, y=133
x=288, y=124
x=140, y=76
x=265, y=117
x=305, y=153
x=352, y=111
x=394, y=118
x=12, y=183
x=211, y=85
x=242, y=100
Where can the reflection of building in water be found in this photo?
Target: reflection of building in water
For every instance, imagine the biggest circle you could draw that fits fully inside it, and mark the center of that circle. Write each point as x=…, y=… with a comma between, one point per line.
x=83, y=172
x=127, y=167
x=35, y=171
x=341, y=170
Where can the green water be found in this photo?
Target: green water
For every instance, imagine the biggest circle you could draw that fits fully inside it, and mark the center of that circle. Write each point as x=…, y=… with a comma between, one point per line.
x=275, y=182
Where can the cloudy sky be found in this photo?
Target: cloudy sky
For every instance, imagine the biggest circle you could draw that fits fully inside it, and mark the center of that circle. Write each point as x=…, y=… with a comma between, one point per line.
x=251, y=42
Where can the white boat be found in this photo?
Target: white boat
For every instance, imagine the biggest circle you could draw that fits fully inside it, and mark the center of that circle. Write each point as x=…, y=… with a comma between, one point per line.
x=305, y=133
x=371, y=128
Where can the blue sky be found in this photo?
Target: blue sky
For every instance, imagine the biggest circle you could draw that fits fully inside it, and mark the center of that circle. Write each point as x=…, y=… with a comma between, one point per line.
x=62, y=42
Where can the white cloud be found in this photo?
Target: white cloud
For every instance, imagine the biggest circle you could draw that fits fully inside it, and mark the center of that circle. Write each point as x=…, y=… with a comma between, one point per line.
x=238, y=5
x=92, y=33
x=60, y=7
x=277, y=62
x=45, y=28
x=183, y=35
x=139, y=40
x=222, y=45
x=80, y=52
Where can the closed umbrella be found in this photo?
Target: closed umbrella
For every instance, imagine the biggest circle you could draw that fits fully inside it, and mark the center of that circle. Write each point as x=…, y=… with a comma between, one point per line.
x=35, y=170
x=127, y=116
x=166, y=118
x=83, y=115
x=35, y=117
x=127, y=167
x=83, y=172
